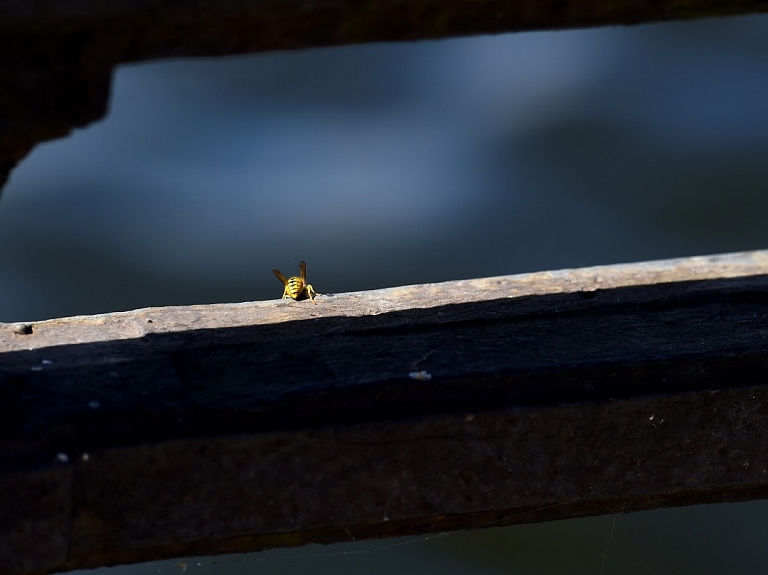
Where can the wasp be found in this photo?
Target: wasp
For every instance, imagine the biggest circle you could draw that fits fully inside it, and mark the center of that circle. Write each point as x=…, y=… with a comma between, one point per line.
x=297, y=287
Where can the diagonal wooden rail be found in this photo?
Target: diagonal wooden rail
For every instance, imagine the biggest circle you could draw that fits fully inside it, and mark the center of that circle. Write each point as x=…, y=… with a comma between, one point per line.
x=229, y=428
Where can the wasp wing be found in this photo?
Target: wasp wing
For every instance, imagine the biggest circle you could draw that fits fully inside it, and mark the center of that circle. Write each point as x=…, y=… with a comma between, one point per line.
x=280, y=276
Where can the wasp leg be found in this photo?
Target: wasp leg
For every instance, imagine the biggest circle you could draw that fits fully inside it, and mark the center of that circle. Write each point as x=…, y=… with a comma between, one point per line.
x=311, y=293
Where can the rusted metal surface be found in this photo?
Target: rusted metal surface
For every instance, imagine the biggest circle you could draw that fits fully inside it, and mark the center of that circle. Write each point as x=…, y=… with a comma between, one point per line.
x=211, y=429
x=57, y=57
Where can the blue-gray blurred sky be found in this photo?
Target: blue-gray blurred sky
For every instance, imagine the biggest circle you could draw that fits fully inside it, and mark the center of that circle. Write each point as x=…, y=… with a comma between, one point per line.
x=392, y=164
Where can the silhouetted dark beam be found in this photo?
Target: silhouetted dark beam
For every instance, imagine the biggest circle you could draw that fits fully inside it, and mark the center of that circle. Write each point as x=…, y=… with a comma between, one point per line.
x=228, y=428
x=150, y=29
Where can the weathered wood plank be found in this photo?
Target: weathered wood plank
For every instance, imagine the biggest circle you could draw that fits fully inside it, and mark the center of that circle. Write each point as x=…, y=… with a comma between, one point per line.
x=234, y=427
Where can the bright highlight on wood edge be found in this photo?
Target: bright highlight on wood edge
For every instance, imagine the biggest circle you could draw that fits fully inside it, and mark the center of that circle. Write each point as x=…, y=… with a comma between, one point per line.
x=138, y=323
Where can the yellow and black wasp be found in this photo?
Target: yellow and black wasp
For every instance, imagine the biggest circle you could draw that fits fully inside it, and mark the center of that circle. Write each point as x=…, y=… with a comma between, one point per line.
x=297, y=287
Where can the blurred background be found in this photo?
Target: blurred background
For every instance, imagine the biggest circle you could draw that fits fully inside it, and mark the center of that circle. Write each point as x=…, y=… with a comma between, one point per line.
x=704, y=540
x=395, y=164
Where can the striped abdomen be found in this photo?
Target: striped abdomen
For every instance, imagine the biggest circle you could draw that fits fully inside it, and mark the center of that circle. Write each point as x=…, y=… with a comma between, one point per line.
x=294, y=287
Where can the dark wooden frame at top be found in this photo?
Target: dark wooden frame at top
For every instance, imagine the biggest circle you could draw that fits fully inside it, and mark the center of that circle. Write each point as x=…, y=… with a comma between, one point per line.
x=229, y=428
x=57, y=56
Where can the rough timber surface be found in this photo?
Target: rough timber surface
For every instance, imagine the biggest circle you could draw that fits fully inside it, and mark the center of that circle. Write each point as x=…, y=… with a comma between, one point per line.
x=227, y=428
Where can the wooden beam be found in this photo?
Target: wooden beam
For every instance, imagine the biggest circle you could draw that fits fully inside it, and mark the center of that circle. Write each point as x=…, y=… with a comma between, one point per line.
x=151, y=29
x=229, y=428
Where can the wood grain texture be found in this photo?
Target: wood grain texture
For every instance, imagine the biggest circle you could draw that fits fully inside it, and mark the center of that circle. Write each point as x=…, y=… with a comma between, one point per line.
x=235, y=427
